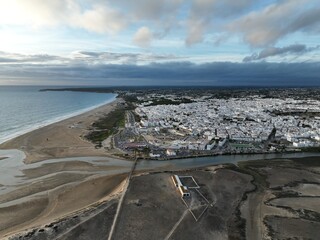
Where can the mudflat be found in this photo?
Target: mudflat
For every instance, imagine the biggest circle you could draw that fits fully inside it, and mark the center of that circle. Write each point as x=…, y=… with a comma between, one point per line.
x=76, y=198
x=248, y=201
x=282, y=205
x=56, y=202
x=62, y=174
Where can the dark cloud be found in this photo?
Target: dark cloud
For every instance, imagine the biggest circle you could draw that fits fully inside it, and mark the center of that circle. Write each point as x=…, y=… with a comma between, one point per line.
x=175, y=73
x=274, y=51
x=123, y=58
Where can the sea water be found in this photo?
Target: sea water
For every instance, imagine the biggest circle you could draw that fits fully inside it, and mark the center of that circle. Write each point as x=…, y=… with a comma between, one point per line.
x=25, y=108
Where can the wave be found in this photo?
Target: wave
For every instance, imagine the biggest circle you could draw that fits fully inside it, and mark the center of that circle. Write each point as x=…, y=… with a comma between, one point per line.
x=44, y=123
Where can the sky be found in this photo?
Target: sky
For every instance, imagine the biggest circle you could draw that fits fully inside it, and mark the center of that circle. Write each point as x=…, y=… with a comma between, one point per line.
x=160, y=42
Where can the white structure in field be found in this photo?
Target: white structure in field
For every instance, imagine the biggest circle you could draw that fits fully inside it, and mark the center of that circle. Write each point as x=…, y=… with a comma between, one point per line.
x=183, y=189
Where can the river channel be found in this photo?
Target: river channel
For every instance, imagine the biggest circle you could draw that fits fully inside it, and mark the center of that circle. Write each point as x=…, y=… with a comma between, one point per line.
x=12, y=164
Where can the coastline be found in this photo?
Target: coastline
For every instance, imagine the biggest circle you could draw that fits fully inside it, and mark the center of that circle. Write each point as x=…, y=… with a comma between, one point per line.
x=58, y=188
x=51, y=187
x=55, y=120
x=61, y=173
x=63, y=138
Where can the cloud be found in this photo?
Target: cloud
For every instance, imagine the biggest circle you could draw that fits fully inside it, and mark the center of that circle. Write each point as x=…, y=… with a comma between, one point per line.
x=267, y=26
x=196, y=30
x=274, y=51
x=6, y=57
x=224, y=8
x=35, y=12
x=143, y=37
x=95, y=17
x=204, y=14
x=120, y=58
x=100, y=19
x=85, y=58
x=150, y=10
x=260, y=23
x=173, y=73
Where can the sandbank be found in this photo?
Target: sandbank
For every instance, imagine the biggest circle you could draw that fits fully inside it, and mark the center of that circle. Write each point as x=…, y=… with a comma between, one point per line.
x=55, y=178
x=61, y=139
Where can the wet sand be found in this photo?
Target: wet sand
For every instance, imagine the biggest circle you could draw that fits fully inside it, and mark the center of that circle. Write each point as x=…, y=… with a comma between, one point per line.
x=55, y=173
x=56, y=203
x=61, y=139
x=52, y=172
x=38, y=193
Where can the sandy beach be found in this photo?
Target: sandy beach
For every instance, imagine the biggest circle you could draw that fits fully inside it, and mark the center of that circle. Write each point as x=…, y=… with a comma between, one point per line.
x=61, y=139
x=54, y=184
x=60, y=173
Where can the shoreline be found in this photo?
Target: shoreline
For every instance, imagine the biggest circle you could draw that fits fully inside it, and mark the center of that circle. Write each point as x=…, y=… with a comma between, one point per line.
x=59, y=172
x=55, y=120
x=58, y=188
x=63, y=138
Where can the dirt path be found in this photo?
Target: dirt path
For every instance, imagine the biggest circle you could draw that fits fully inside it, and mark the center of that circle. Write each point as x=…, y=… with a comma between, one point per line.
x=65, y=234
x=125, y=188
x=113, y=226
x=253, y=225
x=176, y=225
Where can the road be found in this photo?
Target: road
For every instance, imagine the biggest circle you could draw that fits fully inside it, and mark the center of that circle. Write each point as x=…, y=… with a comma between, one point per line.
x=125, y=188
x=130, y=119
x=176, y=225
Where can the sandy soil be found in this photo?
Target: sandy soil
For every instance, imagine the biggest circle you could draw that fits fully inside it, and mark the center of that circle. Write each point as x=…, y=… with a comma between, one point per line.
x=241, y=204
x=61, y=139
x=307, y=189
x=90, y=223
x=162, y=207
x=284, y=205
x=298, y=203
x=279, y=176
x=51, y=190
x=57, y=203
x=71, y=199
x=292, y=228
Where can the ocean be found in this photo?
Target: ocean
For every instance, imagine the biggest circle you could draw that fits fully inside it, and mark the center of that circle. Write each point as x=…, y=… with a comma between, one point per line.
x=25, y=108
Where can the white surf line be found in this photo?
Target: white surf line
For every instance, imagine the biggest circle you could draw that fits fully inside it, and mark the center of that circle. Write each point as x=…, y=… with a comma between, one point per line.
x=48, y=122
x=176, y=225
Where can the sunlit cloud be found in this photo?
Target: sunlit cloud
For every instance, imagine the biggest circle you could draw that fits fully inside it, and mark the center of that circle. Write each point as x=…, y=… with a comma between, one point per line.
x=143, y=37
x=87, y=33
x=267, y=26
x=197, y=18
